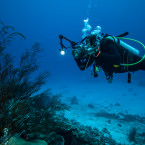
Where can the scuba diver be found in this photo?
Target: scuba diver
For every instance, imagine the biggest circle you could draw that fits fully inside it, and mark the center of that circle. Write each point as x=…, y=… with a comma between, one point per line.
x=107, y=53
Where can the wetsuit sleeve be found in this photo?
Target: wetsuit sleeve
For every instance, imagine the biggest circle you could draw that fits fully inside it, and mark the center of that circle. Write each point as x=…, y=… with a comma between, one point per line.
x=84, y=63
x=109, y=53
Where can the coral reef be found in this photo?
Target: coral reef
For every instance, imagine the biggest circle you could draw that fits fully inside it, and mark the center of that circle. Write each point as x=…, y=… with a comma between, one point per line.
x=26, y=113
x=22, y=109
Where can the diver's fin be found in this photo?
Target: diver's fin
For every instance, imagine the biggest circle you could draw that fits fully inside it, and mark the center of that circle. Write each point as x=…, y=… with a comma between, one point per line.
x=122, y=35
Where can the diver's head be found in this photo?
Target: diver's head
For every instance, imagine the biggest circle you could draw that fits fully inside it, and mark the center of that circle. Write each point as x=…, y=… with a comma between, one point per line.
x=77, y=52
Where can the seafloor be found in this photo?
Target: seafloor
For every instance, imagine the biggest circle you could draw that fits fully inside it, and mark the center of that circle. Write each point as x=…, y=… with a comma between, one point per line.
x=118, y=107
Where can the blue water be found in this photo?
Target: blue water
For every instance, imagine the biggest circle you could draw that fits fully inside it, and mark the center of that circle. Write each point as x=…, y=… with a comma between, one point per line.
x=43, y=21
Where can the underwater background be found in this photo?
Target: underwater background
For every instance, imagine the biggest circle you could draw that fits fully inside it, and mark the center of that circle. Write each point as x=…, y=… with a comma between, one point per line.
x=43, y=21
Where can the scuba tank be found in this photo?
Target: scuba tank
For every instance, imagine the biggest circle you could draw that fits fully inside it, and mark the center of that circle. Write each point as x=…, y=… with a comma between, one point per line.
x=124, y=45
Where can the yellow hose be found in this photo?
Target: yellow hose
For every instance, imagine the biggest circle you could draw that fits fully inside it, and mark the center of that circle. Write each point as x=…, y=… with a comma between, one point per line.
x=137, y=42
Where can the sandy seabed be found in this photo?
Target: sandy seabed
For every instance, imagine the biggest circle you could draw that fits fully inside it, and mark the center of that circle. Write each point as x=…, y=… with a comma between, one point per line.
x=111, y=98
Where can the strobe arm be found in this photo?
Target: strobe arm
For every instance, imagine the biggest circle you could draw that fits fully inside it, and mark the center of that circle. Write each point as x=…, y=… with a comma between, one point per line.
x=62, y=46
x=62, y=37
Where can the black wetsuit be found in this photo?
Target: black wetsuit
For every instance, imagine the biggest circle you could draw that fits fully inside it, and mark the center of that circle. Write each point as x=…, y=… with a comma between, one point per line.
x=111, y=55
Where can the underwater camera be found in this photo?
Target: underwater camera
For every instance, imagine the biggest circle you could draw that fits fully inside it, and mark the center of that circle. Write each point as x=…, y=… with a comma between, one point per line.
x=78, y=52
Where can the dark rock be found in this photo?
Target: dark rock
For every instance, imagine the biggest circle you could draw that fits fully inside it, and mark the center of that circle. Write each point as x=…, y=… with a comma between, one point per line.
x=74, y=101
x=91, y=106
